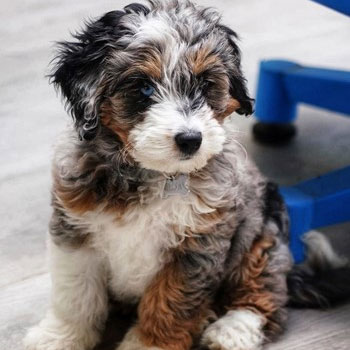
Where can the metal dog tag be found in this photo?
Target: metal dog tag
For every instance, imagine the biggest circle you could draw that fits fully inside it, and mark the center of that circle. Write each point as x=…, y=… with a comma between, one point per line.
x=176, y=186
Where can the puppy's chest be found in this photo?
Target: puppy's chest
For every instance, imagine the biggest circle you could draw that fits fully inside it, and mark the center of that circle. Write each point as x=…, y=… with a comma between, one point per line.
x=136, y=249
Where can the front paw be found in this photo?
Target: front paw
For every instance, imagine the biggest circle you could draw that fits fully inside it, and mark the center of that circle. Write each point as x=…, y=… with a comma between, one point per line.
x=237, y=330
x=132, y=341
x=52, y=334
x=40, y=339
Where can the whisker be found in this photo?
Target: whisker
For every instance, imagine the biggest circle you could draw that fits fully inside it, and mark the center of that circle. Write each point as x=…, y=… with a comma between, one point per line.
x=242, y=148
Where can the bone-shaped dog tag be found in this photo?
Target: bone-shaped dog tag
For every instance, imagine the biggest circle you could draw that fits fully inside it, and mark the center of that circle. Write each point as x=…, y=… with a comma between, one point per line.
x=176, y=186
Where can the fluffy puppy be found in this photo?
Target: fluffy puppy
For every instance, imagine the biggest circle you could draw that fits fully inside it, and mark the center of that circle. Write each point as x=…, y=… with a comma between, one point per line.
x=153, y=201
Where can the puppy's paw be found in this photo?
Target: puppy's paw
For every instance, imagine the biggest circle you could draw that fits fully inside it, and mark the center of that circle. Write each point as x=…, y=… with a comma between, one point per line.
x=132, y=341
x=237, y=330
x=39, y=339
x=51, y=334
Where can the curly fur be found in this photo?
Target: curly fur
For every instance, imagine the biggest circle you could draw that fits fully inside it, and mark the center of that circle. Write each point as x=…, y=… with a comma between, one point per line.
x=219, y=251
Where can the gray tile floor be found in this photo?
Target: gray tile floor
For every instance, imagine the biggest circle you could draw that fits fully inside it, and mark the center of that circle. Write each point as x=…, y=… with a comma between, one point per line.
x=31, y=117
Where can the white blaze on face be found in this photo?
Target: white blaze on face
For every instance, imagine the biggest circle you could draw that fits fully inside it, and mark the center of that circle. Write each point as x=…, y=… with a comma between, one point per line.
x=153, y=139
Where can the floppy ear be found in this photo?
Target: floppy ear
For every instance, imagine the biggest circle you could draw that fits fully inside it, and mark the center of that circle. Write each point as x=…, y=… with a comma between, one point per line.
x=238, y=88
x=79, y=68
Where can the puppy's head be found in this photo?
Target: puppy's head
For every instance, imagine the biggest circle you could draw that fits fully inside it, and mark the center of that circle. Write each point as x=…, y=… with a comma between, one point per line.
x=162, y=77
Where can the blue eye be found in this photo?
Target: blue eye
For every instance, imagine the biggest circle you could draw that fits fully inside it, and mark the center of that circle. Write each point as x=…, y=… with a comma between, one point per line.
x=147, y=90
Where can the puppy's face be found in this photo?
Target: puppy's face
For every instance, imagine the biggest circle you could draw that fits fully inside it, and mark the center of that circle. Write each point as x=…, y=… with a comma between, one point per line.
x=162, y=78
x=168, y=101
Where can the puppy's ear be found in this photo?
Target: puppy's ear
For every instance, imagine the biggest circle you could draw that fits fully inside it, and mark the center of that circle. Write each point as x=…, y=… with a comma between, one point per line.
x=238, y=88
x=80, y=67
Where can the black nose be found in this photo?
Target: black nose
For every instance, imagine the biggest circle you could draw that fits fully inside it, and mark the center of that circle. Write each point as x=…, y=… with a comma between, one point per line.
x=189, y=142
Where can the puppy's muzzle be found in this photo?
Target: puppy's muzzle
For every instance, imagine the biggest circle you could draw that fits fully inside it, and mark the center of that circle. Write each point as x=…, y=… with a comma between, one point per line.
x=189, y=142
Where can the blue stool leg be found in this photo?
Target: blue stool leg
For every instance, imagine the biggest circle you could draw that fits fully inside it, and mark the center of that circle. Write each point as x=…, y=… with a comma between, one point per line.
x=283, y=84
x=318, y=202
x=274, y=108
x=299, y=208
x=273, y=105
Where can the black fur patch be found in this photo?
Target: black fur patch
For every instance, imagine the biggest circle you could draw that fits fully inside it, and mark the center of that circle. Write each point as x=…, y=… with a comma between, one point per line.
x=79, y=66
x=318, y=288
x=238, y=89
x=275, y=209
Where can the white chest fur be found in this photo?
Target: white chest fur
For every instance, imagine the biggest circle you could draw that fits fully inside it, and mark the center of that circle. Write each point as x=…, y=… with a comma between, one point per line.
x=135, y=253
x=135, y=248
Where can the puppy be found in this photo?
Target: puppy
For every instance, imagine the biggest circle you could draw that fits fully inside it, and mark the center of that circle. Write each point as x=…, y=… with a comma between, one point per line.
x=153, y=201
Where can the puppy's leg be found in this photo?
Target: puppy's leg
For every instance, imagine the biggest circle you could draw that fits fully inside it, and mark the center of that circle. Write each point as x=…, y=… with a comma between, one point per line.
x=79, y=302
x=174, y=307
x=258, y=297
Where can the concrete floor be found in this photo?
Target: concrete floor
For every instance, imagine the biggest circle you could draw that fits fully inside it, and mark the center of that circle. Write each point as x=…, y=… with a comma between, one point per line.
x=32, y=116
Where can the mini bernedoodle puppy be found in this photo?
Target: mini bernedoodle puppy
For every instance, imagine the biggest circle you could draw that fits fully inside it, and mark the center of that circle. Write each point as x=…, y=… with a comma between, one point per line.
x=154, y=201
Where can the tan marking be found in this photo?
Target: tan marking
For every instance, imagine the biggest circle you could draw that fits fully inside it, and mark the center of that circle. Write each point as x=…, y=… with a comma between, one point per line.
x=110, y=110
x=251, y=292
x=206, y=222
x=152, y=69
x=232, y=106
x=78, y=200
x=149, y=63
x=163, y=313
x=202, y=60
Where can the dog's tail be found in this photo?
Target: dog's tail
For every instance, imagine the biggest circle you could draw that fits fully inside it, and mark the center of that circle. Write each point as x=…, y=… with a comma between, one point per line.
x=323, y=280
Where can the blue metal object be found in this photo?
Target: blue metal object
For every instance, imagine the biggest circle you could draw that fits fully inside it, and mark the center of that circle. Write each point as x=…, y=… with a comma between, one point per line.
x=342, y=6
x=283, y=84
x=315, y=203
